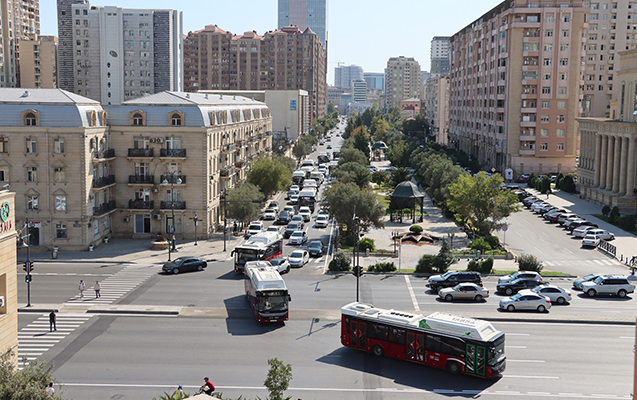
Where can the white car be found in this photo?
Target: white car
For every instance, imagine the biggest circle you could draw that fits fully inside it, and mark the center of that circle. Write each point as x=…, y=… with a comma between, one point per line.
x=590, y=241
x=290, y=209
x=274, y=228
x=299, y=258
x=295, y=187
x=555, y=293
x=292, y=192
x=525, y=300
x=294, y=199
x=582, y=231
x=601, y=233
x=321, y=221
x=298, y=237
x=522, y=275
x=269, y=214
x=464, y=291
x=305, y=213
x=537, y=206
x=281, y=264
x=255, y=228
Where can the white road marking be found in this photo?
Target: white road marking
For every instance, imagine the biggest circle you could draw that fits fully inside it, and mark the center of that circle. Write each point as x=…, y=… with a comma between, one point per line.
x=526, y=361
x=411, y=293
x=515, y=347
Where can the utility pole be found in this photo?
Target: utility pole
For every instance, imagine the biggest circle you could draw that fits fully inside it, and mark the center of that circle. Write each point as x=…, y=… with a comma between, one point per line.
x=195, y=219
x=28, y=266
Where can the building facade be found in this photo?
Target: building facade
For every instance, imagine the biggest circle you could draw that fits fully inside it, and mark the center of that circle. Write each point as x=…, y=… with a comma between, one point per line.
x=285, y=59
x=38, y=62
x=436, y=107
x=402, y=80
x=359, y=91
x=112, y=54
x=8, y=277
x=344, y=75
x=515, y=86
x=305, y=14
x=440, y=62
x=19, y=20
x=375, y=80
x=610, y=30
x=83, y=173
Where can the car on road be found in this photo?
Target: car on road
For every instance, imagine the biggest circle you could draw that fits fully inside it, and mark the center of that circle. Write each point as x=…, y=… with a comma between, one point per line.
x=298, y=237
x=577, y=283
x=521, y=275
x=315, y=248
x=452, y=278
x=582, y=231
x=184, y=264
x=464, y=291
x=299, y=258
x=329, y=146
x=284, y=217
x=525, y=300
x=294, y=199
x=291, y=228
x=516, y=285
x=611, y=285
x=322, y=142
x=590, y=241
x=555, y=293
x=275, y=206
x=292, y=192
x=291, y=210
x=321, y=221
x=274, y=228
x=281, y=264
x=305, y=213
x=297, y=218
x=295, y=187
x=255, y=228
x=269, y=214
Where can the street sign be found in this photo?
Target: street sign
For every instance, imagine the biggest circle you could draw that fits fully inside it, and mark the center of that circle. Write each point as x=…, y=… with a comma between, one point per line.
x=504, y=228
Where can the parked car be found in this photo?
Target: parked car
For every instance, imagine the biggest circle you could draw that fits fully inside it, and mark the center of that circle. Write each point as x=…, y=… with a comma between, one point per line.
x=522, y=178
x=525, y=300
x=284, y=217
x=452, y=278
x=281, y=264
x=315, y=248
x=269, y=214
x=298, y=237
x=321, y=221
x=464, y=291
x=561, y=219
x=555, y=293
x=554, y=213
x=275, y=206
x=529, y=199
x=538, y=205
x=521, y=275
x=571, y=221
x=601, y=233
x=516, y=285
x=590, y=241
x=554, y=217
x=255, y=228
x=584, y=224
x=608, y=285
x=184, y=264
x=577, y=283
x=299, y=258
x=305, y=213
x=291, y=228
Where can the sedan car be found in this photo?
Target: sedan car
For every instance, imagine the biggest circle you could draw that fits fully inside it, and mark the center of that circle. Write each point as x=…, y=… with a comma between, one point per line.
x=521, y=275
x=275, y=229
x=590, y=241
x=284, y=217
x=555, y=293
x=582, y=231
x=525, y=300
x=321, y=221
x=329, y=146
x=184, y=264
x=306, y=213
x=291, y=228
x=281, y=264
x=602, y=234
x=464, y=291
x=254, y=228
x=299, y=258
x=275, y=206
x=291, y=193
x=269, y=214
x=577, y=283
x=315, y=248
x=298, y=237
x=294, y=199
x=580, y=224
x=516, y=285
x=553, y=214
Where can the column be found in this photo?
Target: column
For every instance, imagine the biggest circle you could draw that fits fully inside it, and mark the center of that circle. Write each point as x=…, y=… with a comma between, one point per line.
x=616, y=163
x=608, y=184
x=602, y=162
x=630, y=175
x=623, y=164
x=598, y=156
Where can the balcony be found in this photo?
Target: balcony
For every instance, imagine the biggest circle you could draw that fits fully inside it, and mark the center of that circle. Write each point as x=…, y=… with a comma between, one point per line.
x=527, y=152
x=228, y=148
x=173, y=153
x=104, y=181
x=104, y=155
x=140, y=153
x=239, y=164
x=227, y=171
x=527, y=138
x=173, y=205
x=141, y=179
x=139, y=204
x=105, y=208
x=170, y=179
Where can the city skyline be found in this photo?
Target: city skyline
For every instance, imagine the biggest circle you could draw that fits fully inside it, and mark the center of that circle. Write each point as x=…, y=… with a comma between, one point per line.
x=419, y=23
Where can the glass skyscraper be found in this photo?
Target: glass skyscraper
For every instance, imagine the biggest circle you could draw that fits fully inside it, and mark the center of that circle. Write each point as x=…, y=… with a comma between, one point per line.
x=305, y=14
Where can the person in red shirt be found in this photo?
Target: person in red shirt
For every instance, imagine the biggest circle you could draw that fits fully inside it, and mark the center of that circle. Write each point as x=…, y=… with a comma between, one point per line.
x=208, y=388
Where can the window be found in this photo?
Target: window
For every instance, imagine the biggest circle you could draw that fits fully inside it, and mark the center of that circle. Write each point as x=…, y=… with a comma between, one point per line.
x=546, y=104
x=4, y=145
x=59, y=175
x=546, y=76
x=138, y=119
x=548, y=47
x=142, y=169
x=563, y=76
x=141, y=143
x=544, y=132
x=60, y=231
x=4, y=174
x=561, y=118
x=561, y=90
x=559, y=132
x=548, y=33
x=566, y=18
x=564, y=47
x=560, y=147
x=60, y=203
x=563, y=61
x=561, y=104
x=32, y=174
x=32, y=146
x=58, y=146
x=544, y=118
x=548, y=62
x=173, y=142
x=32, y=202
x=565, y=33
x=546, y=90
x=30, y=120
x=544, y=146
x=175, y=120
x=549, y=18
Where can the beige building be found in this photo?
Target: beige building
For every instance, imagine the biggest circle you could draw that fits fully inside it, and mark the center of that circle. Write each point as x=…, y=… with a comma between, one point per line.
x=611, y=29
x=83, y=174
x=402, y=80
x=410, y=108
x=436, y=107
x=8, y=277
x=515, y=86
x=19, y=20
x=607, y=171
x=38, y=63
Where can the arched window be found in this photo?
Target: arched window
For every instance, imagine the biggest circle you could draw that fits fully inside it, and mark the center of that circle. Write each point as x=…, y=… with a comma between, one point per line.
x=138, y=119
x=30, y=119
x=175, y=120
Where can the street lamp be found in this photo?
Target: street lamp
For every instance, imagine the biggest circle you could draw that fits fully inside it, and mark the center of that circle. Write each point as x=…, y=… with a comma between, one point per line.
x=195, y=220
x=28, y=265
x=172, y=206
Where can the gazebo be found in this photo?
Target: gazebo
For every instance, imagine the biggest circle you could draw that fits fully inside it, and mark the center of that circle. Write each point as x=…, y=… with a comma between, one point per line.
x=406, y=195
x=379, y=147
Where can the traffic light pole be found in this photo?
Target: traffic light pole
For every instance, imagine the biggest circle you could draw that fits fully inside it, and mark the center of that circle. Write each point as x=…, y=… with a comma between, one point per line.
x=28, y=267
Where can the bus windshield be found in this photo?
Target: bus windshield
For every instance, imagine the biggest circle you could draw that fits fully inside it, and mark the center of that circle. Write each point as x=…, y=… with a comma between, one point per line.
x=241, y=256
x=274, y=301
x=496, y=353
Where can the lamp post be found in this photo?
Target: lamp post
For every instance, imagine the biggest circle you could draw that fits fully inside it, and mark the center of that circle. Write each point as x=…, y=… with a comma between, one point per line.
x=28, y=266
x=195, y=220
x=172, y=206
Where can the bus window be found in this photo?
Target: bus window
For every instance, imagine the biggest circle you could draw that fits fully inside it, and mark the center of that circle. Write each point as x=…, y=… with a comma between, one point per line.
x=380, y=332
x=432, y=343
x=453, y=347
x=397, y=336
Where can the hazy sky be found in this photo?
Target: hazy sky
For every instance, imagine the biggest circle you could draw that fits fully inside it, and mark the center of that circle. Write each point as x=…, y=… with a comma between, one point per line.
x=361, y=32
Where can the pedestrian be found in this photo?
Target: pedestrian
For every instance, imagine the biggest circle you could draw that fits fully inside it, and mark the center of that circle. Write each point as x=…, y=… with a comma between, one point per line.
x=97, y=289
x=81, y=286
x=179, y=393
x=52, y=320
x=547, y=193
x=234, y=227
x=50, y=390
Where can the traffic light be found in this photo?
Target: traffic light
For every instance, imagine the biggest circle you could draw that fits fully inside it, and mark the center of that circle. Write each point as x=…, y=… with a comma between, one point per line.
x=358, y=271
x=28, y=267
x=28, y=279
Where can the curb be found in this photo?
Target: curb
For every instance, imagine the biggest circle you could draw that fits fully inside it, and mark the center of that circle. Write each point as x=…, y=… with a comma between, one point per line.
x=137, y=312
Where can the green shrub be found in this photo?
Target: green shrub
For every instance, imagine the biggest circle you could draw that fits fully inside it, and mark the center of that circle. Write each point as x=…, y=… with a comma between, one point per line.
x=348, y=240
x=614, y=213
x=568, y=184
x=382, y=267
x=527, y=262
x=532, y=181
x=482, y=267
x=559, y=180
x=479, y=244
x=415, y=229
x=545, y=185
x=340, y=262
x=445, y=258
x=366, y=243
x=426, y=264
x=627, y=222
x=493, y=241
x=605, y=211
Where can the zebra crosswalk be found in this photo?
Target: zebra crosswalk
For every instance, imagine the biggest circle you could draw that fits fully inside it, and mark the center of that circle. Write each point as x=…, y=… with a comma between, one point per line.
x=559, y=263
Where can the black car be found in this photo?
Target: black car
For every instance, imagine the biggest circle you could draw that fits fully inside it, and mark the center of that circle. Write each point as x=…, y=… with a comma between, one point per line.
x=284, y=218
x=315, y=248
x=575, y=225
x=515, y=286
x=184, y=264
x=451, y=279
x=292, y=226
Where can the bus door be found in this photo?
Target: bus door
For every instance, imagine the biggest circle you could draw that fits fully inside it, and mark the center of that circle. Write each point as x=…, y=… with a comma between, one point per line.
x=416, y=346
x=475, y=360
x=358, y=334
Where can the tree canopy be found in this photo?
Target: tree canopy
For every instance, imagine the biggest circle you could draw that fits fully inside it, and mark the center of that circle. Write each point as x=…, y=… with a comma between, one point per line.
x=25, y=384
x=353, y=172
x=341, y=199
x=348, y=155
x=244, y=210
x=270, y=174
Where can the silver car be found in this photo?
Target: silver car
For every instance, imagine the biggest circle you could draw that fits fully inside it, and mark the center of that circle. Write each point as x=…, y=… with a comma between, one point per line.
x=281, y=264
x=522, y=275
x=299, y=258
x=608, y=285
x=464, y=291
x=525, y=300
x=555, y=293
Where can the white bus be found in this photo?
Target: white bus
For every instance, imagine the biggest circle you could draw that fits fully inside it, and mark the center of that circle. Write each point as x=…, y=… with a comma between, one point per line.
x=266, y=292
x=262, y=247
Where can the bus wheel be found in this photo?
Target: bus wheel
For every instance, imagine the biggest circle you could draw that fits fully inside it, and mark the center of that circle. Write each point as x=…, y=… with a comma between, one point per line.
x=453, y=367
x=377, y=350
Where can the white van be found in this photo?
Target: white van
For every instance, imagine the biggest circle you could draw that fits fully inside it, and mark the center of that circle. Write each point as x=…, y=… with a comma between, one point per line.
x=309, y=183
x=318, y=177
x=308, y=163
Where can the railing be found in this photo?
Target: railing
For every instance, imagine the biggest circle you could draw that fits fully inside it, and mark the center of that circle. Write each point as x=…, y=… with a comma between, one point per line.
x=141, y=204
x=103, y=181
x=145, y=179
x=140, y=152
x=108, y=153
x=104, y=208
x=173, y=205
x=227, y=170
x=172, y=179
x=226, y=148
x=172, y=153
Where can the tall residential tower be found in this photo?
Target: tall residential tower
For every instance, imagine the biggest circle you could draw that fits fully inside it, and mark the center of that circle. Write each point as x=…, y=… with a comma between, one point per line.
x=305, y=14
x=439, y=58
x=402, y=80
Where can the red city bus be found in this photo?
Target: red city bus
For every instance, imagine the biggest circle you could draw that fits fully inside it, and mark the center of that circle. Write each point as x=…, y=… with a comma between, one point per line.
x=262, y=247
x=457, y=344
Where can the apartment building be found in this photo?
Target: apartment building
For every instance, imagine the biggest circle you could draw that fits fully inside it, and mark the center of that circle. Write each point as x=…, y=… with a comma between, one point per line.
x=111, y=54
x=19, y=20
x=402, y=80
x=305, y=14
x=439, y=57
x=8, y=277
x=375, y=80
x=285, y=59
x=610, y=30
x=359, y=91
x=436, y=107
x=38, y=62
x=83, y=173
x=344, y=75
x=515, y=86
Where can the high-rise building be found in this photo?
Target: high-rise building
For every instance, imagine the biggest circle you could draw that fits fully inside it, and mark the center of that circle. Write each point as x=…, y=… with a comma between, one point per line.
x=439, y=58
x=38, y=62
x=218, y=60
x=305, y=14
x=19, y=20
x=112, y=54
x=515, y=86
x=345, y=74
x=436, y=106
x=375, y=80
x=402, y=80
x=359, y=91
x=610, y=30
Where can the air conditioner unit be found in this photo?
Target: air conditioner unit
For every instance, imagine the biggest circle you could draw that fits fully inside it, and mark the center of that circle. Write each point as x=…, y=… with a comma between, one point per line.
x=157, y=217
x=126, y=219
x=155, y=190
x=1, y=301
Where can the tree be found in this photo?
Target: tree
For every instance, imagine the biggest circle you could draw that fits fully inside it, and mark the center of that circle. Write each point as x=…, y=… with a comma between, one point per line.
x=379, y=177
x=378, y=128
x=25, y=384
x=270, y=175
x=348, y=155
x=445, y=258
x=479, y=200
x=278, y=380
x=341, y=199
x=352, y=172
x=399, y=175
x=361, y=141
x=353, y=122
x=367, y=117
x=243, y=210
